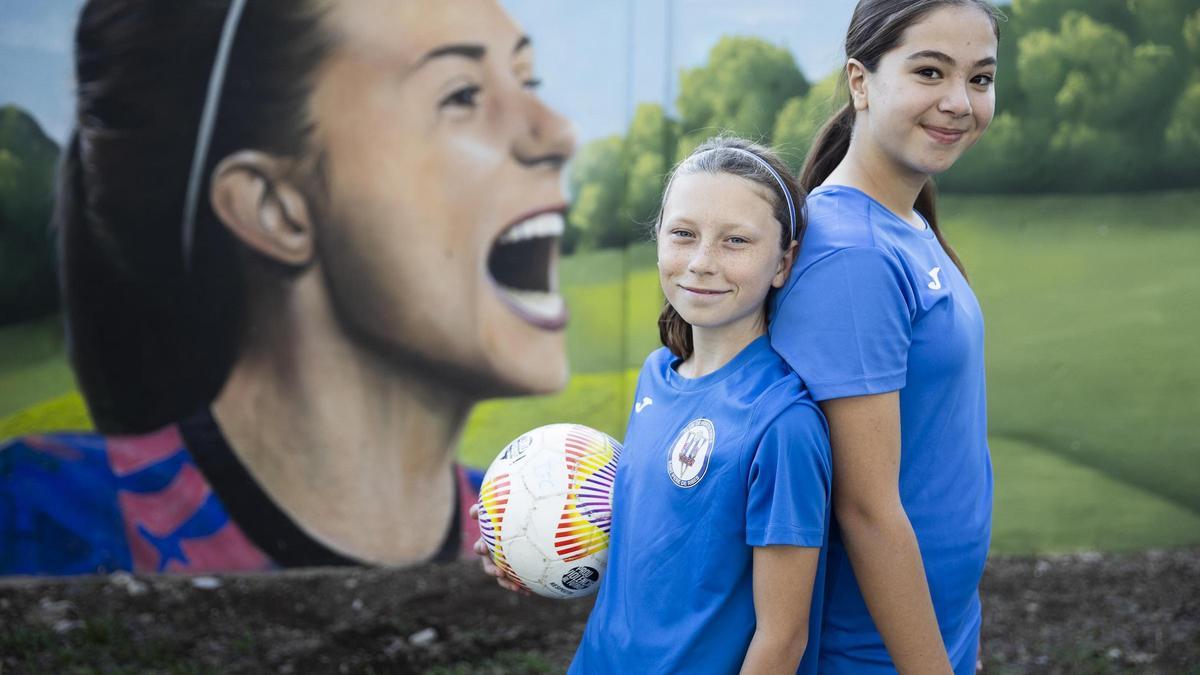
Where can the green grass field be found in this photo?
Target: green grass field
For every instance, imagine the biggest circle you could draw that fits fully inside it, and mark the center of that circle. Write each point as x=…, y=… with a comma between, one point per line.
x=32, y=365
x=1092, y=307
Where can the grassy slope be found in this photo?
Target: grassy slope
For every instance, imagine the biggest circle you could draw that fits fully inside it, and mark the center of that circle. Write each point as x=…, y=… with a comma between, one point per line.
x=1092, y=305
x=32, y=366
x=1045, y=503
x=1093, y=308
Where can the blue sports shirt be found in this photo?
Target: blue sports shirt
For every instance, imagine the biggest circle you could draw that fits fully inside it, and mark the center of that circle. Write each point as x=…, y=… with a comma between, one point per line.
x=712, y=467
x=875, y=305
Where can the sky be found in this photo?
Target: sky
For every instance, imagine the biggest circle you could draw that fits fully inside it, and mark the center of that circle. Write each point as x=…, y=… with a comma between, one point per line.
x=597, y=58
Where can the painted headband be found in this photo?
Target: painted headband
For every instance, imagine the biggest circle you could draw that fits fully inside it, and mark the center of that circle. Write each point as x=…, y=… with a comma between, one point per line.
x=787, y=194
x=208, y=118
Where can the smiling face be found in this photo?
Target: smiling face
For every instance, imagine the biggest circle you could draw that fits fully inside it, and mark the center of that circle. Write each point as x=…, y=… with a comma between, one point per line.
x=931, y=97
x=439, y=236
x=719, y=251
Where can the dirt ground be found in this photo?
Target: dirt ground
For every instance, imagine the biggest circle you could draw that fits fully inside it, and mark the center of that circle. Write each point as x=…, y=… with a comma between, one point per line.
x=1085, y=613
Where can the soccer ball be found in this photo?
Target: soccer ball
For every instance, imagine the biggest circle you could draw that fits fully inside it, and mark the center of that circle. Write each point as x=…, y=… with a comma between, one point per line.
x=545, y=508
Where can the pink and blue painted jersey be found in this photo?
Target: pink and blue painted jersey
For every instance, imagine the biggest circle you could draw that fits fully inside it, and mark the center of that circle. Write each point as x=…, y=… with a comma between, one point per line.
x=175, y=500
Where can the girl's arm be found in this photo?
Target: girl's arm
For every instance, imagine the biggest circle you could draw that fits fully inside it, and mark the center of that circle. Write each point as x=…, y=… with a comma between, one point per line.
x=865, y=437
x=783, y=584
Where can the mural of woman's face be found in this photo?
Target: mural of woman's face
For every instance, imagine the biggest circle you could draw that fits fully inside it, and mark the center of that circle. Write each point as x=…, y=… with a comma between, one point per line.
x=439, y=241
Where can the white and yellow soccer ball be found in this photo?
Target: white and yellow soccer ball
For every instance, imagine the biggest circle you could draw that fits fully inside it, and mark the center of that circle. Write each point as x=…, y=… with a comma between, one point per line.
x=545, y=508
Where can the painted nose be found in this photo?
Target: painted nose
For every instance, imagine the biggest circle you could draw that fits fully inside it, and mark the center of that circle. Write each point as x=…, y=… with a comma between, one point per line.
x=548, y=138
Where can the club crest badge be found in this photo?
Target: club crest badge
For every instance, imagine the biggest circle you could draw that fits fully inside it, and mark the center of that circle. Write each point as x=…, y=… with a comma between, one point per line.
x=687, y=460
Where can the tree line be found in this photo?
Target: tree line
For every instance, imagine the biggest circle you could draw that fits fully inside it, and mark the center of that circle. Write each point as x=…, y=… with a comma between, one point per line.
x=27, y=163
x=1092, y=96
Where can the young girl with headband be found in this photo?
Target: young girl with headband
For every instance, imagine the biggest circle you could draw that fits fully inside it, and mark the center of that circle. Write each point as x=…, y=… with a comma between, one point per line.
x=722, y=494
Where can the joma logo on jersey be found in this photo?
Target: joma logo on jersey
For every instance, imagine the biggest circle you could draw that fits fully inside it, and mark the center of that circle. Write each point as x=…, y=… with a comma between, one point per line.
x=936, y=284
x=687, y=459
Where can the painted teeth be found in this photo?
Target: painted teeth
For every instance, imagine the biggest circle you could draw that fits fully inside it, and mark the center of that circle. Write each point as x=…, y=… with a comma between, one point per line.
x=541, y=304
x=544, y=225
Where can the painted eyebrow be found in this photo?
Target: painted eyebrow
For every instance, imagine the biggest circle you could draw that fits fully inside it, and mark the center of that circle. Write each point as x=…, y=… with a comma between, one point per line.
x=469, y=51
x=473, y=52
x=945, y=58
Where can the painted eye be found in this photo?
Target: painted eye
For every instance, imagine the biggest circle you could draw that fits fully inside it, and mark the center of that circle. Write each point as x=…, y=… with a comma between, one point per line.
x=463, y=97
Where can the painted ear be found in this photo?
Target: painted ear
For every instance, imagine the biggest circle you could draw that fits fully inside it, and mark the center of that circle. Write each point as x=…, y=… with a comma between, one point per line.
x=785, y=265
x=856, y=77
x=255, y=199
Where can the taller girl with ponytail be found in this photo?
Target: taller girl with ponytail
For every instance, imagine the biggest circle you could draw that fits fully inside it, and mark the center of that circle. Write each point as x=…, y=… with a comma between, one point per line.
x=875, y=28
x=879, y=321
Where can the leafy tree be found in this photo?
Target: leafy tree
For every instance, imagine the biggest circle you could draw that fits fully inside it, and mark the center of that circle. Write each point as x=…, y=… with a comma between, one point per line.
x=597, y=181
x=1091, y=95
x=741, y=88
x=1107, y=101
x=1029, y=15
x=1159, y=20
x=27, y=160
x=1084, y=157
x=1009, y=158
x=1191, y=36
x=650, y=148
x=1008, y=72
x=1183, y=134
x=803, y=116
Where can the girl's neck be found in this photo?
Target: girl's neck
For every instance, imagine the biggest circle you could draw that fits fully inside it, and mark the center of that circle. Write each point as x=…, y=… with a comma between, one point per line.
x=357, y=448
x=712, y=348
x=866, y=168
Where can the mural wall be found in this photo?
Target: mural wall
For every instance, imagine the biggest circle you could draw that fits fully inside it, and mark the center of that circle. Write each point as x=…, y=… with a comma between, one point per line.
x=399, y=260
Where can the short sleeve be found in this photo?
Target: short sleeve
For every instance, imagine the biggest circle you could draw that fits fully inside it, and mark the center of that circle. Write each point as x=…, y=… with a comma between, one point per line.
x=788, y=484
x=844, y=324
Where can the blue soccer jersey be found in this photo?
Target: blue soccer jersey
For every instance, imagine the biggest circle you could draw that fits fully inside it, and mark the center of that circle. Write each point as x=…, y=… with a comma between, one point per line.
x=875, y=305
x=713, y=466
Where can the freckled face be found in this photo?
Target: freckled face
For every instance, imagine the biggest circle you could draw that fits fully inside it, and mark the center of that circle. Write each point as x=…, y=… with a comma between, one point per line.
x=931, y=97
x=443, y=167
x=719, y=251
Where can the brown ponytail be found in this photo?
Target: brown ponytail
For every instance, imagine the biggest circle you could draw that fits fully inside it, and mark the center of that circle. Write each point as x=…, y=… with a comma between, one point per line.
x=674, y=332
x=926, y=205
x=827, y=151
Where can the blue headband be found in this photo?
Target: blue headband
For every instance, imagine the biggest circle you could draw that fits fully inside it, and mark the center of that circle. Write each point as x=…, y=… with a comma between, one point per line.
x=207, y=119
x=787, y=194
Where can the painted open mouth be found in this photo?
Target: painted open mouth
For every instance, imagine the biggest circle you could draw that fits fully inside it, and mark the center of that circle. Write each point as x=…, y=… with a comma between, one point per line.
x=523, y=263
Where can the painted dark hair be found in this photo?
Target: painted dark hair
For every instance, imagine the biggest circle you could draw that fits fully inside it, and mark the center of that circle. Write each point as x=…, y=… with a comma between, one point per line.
x=875, y=29
x=721, y=154
x=150, y=342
